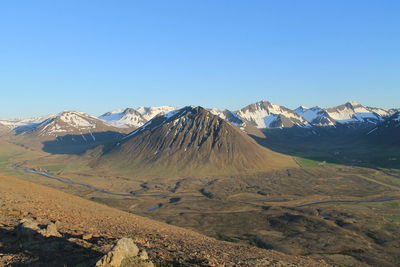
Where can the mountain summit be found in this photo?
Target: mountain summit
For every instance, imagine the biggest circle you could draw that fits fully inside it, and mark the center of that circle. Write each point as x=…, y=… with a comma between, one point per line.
x=264, y=114
x=191, y=141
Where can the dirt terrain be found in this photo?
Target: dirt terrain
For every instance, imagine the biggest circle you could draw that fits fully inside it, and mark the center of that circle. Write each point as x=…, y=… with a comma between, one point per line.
x=76, y=218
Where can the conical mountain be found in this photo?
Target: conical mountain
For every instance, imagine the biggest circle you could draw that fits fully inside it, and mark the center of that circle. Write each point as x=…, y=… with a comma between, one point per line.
x=190, y=142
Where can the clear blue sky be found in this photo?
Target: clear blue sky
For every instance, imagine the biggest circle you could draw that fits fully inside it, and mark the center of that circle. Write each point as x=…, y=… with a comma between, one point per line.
x=95, y=56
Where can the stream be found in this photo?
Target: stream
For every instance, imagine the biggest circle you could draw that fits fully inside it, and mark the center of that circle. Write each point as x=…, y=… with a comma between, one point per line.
x=348, y=201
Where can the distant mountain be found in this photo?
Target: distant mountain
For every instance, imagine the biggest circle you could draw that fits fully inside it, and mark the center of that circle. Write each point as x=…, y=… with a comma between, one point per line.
x=388, y=131
x=264, y=114
x=23, y=123
x=393, y=111
x=190, y=141
x=67, y=123
x=353, y=112
x=316, y=116
x=127, y=118
x=134, y=118
x=150, y=112
x=228, y=116
x=254, y=117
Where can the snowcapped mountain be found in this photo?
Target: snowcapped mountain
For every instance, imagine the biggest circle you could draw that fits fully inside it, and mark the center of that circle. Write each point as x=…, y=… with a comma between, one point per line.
x=264, y=114
x=150, y=112
x=30, y=122
x=393, y=111
x=380, y=111
x=68, y=122
x=261, y=115
x=353, y=112
x=228, y=116
x=127, y=118
x=134, y=118
x=316, y=116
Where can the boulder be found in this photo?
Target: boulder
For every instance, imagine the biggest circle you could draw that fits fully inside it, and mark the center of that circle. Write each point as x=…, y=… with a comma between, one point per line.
x=50, y=230
x=29, y=228
x=125, y=248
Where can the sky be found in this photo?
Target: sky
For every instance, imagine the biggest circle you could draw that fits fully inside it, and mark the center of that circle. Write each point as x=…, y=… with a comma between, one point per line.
x=95, y=56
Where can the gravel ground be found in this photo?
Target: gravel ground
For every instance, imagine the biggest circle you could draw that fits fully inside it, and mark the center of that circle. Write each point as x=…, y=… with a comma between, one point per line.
x=92, y=228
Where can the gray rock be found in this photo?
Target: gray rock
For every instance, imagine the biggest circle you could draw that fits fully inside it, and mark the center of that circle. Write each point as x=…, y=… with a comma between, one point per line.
x=50, y=230
x=124, y=248
x=29, y=228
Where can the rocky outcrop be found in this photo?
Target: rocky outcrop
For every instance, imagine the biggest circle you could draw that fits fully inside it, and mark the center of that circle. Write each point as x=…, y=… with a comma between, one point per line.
x=29, y=228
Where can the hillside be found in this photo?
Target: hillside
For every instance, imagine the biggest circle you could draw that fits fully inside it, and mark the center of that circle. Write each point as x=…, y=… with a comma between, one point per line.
x=190, y=142
x=76, y=217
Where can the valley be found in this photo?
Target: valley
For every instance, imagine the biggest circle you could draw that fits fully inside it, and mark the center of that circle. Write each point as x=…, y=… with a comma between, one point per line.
x=329, y=193
x=269, y=210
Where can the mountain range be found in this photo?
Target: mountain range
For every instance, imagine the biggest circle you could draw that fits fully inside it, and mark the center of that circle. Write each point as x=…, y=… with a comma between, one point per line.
x=211, y=141
x=261, y=115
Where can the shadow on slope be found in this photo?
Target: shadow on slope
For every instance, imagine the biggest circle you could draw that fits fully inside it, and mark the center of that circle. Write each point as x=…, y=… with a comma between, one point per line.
x=350, y=146
x=78, y=144
x=46, y=251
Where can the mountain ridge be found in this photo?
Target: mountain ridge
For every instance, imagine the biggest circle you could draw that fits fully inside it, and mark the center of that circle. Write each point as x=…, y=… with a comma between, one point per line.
x=262, y=114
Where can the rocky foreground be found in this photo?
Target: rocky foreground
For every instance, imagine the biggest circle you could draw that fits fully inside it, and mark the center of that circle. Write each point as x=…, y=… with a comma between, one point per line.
x=72, y=231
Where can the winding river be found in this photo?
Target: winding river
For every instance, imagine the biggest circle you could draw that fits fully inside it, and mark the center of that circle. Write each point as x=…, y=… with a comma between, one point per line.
x=67, y=181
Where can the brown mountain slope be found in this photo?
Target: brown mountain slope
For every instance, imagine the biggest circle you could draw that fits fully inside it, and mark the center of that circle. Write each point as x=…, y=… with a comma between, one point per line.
x=4, y=129
x=165, y=243
x=190, y=142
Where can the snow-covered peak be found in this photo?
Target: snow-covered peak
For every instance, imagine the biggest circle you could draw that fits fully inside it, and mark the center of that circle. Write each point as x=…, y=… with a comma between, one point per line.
x=380, y=111
x=353, y=112
x=134, y=118
x=315, y=116
x=150, y=112
x=393, y=111
x=125, y=118
x=228, y=115
x=301, y=109
x=77, y=119
x=67, y=122
x=264, y=114
x=14, y=123
x=354, y=103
